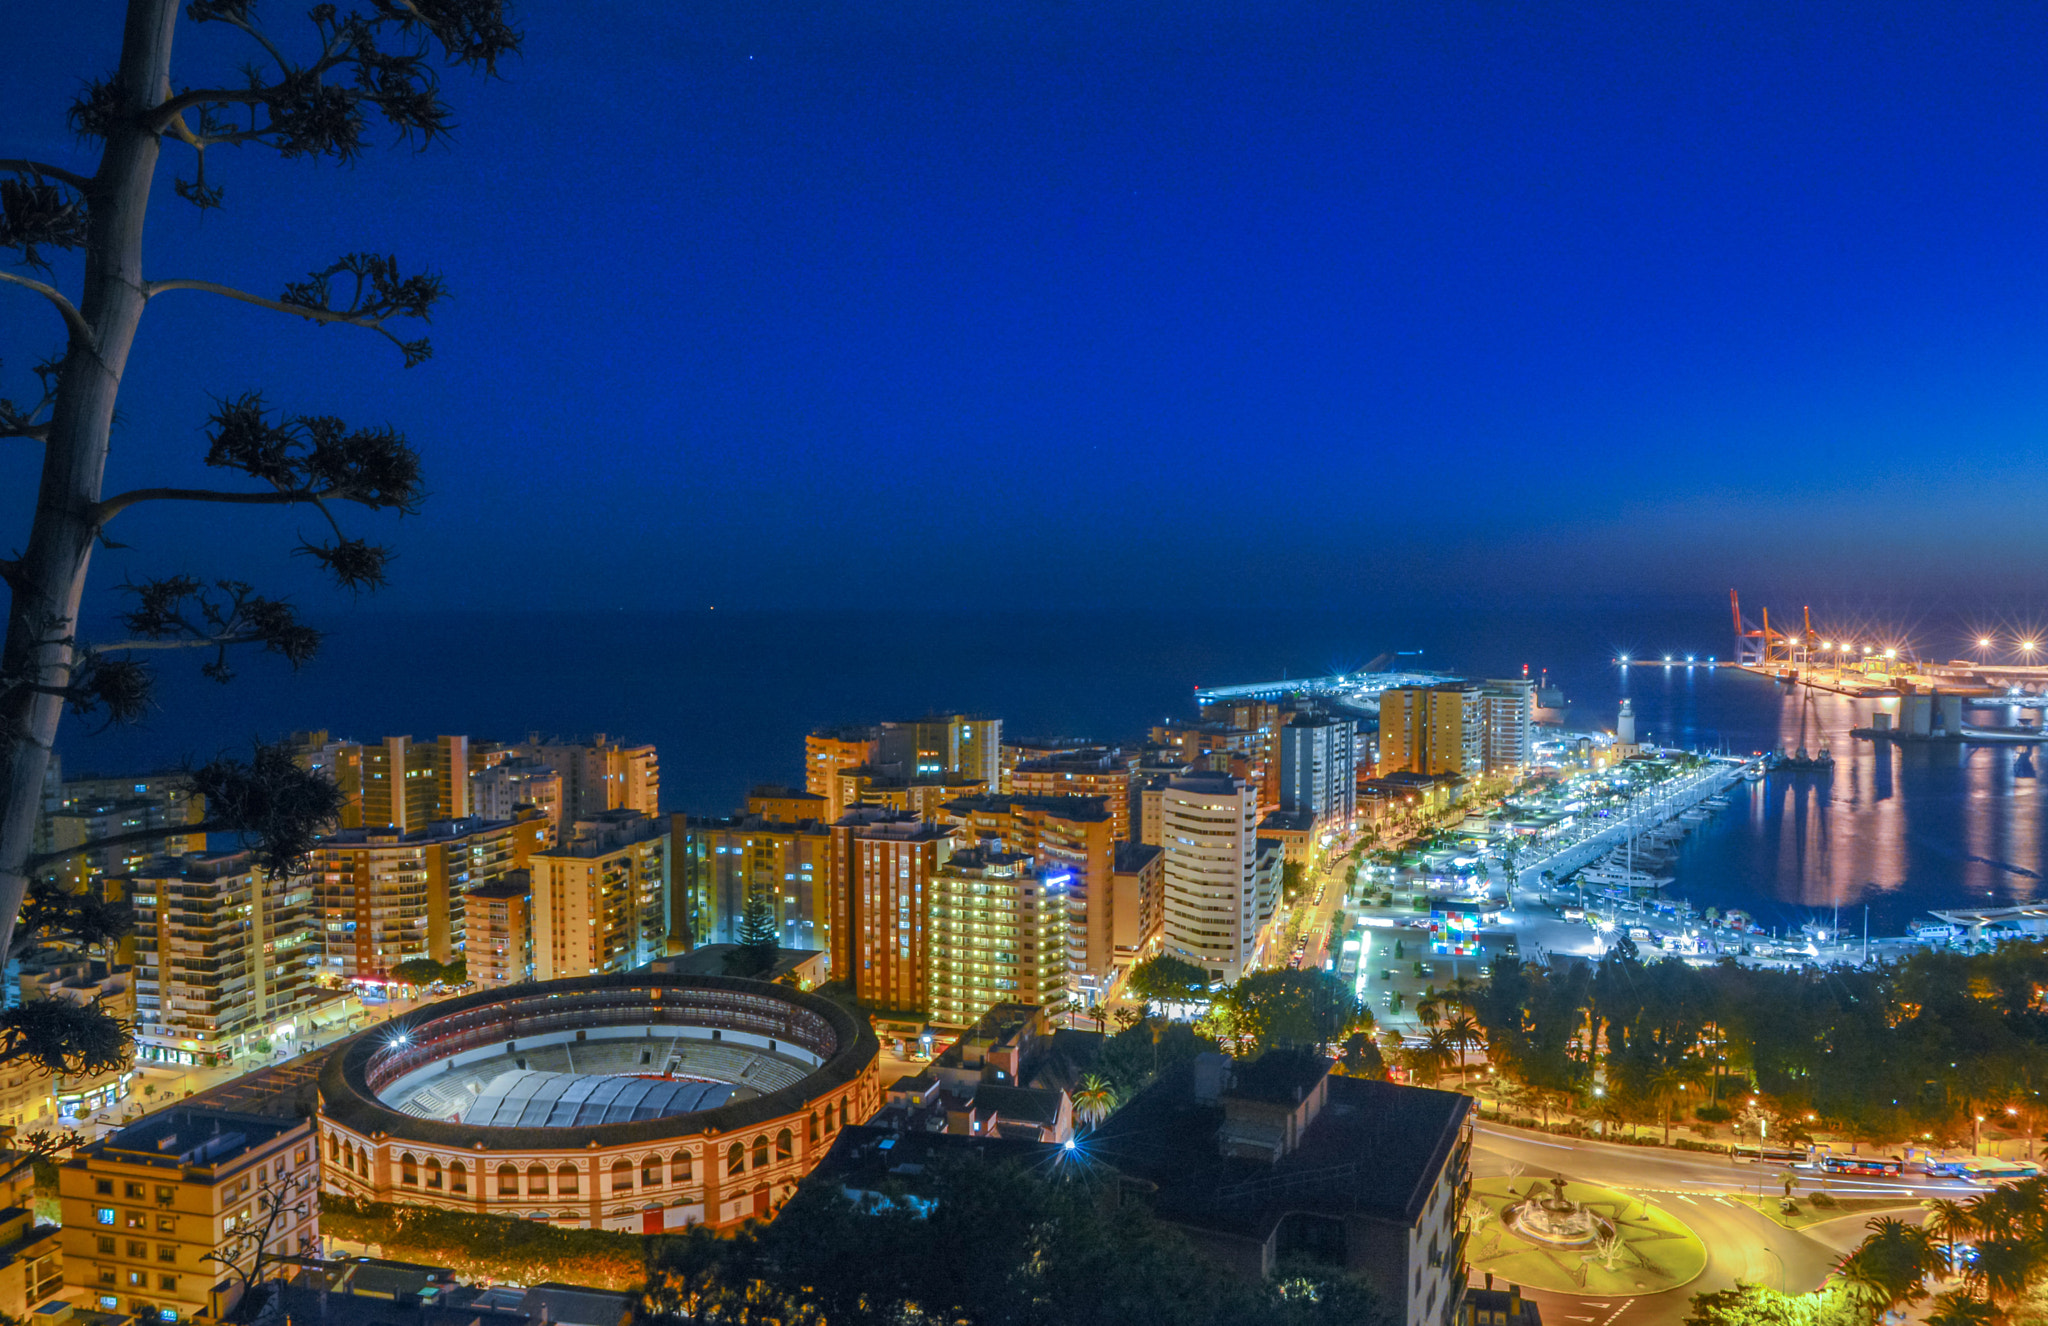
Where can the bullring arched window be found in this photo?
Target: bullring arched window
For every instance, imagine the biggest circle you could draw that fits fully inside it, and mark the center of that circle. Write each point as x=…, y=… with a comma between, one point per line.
x=458, y=1177
x=433, y=1172
x=679, y=1163
x=622, y=1176
x=760, y=1152
x=508, y=1181
x=650, y=1172
x=735, y=1159
x=785, y=1145
x=566, y=1180
x=536, y=1180
x=409, y=1170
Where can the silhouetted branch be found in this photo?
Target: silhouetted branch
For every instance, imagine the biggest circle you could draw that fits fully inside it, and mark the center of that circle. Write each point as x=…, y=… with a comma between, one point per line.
x=79, y=182
x=72, y=318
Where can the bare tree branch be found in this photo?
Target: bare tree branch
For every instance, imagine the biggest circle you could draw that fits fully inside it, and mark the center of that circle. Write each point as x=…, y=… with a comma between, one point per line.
x=310, y=312
x=72, y=317
x=81, y=183
x=113, y=506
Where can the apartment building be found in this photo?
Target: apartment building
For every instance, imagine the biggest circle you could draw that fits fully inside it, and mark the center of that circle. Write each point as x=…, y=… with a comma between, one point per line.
x=224, y=956
x=383, y=897
x=82, y=820
x=400, y=782
x=31, y=1253
x=1095, y=772
x=1436, y=729
x=1317, y=770
x=922, y=796
x=79, y=978
x=1262, y=720
x=719, y=862
x=497, y=928
x=1071, y=836
x=1508, y=725
x=830, y=750
x=600, y=775
x=1138, y=893
x=497, y=791
x=171, y=788
x=998, y=935
x=1017, y=750
x=600, y=900
x=146, y=1210
x=1209, y=825
x=882, y=867
x=965, y=746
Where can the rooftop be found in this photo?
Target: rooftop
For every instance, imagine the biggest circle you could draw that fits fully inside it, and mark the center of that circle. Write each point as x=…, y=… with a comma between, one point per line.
x=709, y=960
x=184, y=1135
x=1136, y=856
x=514, y=884
x=1375, y=1148
x=1074, y=808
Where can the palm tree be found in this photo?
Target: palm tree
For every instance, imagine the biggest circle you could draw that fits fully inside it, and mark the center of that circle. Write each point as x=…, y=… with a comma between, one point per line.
x=1892, y=1265
x=1095, y=1101
x=1433, y=1054
x=1958, y=1307
x=1666, y=1087
x=1462, y=991
x=1463, y=1032
x=2005, y=1268
x=1950, y=1222
x=1430, y=1009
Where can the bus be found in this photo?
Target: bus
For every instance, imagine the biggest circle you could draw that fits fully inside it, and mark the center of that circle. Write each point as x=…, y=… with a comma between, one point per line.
x=1769, y=1155
x=1887, y=1166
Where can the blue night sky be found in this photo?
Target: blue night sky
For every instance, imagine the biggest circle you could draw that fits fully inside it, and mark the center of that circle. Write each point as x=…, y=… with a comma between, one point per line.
x=760, y=304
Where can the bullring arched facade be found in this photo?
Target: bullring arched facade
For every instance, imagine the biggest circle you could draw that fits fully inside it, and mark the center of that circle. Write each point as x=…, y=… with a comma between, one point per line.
x=719, y=1166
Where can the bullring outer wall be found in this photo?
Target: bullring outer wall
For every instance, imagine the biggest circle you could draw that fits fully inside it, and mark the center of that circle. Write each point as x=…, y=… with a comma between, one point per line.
x=719, y=1167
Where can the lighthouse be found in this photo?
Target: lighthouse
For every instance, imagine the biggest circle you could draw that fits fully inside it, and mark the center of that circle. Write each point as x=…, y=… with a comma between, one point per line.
x=1625, y=732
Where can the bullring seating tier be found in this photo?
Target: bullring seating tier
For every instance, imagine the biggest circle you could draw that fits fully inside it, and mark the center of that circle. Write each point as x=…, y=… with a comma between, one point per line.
x=751, y=1072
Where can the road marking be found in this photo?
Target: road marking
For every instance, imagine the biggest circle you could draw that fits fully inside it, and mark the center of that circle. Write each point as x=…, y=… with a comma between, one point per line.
x=1687, y=1197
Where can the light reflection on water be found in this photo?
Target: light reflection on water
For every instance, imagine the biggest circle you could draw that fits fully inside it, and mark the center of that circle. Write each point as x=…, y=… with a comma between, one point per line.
x=1899, y=828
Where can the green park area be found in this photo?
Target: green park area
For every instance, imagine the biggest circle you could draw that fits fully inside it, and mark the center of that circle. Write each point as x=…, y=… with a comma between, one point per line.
x=1636, y=1248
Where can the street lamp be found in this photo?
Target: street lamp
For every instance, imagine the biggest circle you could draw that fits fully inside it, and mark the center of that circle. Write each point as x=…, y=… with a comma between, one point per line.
x=1977, y=1136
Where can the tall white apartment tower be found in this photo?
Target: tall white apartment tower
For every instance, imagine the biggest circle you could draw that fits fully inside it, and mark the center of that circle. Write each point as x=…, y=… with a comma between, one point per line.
x=1508, y=724
x=1209, y=830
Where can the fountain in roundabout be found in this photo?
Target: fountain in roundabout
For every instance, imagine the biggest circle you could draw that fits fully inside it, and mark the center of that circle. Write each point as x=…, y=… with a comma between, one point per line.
x=1554, y=1220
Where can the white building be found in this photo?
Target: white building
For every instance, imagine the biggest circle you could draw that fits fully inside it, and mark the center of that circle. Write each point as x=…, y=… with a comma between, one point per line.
x=1319, y=768
x=1507, y=725
x=1209, y=830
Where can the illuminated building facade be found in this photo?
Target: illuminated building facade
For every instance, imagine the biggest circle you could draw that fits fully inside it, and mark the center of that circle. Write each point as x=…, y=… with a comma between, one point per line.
x=998, y=935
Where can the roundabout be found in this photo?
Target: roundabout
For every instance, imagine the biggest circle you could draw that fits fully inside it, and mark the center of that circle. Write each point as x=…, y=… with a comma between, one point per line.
x=1572, y=1237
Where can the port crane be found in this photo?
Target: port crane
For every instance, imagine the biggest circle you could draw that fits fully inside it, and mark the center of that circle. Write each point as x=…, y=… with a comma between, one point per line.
x=1762, y=645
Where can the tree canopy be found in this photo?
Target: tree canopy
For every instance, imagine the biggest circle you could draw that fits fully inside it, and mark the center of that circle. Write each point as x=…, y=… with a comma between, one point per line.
x=1887, y=1052
x=1167, y=979
x=994, y=1244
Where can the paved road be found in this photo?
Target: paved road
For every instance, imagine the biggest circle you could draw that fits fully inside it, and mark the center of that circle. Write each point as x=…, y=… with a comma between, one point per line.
x=1742, y=1244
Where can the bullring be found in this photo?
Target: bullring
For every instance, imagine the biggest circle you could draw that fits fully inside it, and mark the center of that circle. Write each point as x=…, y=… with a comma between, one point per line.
x=638, y=1102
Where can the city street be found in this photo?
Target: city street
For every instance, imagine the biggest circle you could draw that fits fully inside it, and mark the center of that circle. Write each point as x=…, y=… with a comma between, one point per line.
x=1742, y=1244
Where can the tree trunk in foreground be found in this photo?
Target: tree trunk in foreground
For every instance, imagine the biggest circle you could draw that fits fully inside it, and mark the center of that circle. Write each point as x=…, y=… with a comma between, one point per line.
x=42, y=619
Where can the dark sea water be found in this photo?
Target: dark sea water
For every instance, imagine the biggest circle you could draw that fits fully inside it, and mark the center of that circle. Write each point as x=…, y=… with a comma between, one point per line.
x=728, y=696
